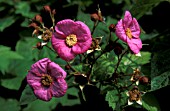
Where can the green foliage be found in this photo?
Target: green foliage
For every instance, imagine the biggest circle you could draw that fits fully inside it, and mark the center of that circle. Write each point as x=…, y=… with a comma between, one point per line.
x=150, y=103
x=143, y=6
x=116, y=100
x=160, y=81
x=39, y=105
x=160, y=63
x=27, y=96
x=15, y=64
x=25, y=47
x=112, y=97
x=71, y=93
x=6, y=22
x=104, y=66
x=9, y=104
x=6, y=56
x=23, y=8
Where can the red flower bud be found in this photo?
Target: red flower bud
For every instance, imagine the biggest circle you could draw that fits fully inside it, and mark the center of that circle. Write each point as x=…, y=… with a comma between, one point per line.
x=39, y=46
x=118, y=50
x=112, y=28
x=81, y=79
x=38, y=18
x=94, y=17
x=144, y=80
x=54, y=12
x=34, y=25
x=47, y=8
x=67, y=67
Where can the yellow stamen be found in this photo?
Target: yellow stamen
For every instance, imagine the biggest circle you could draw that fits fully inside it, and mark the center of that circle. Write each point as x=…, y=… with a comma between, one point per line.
x=46, y=80
x=46, y=36
x=71, y=40
x=129, y=33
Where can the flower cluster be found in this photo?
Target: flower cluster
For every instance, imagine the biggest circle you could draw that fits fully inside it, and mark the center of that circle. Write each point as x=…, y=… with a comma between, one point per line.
x=71, y=38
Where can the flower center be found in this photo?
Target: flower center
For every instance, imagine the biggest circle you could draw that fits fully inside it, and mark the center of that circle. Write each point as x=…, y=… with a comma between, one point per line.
x=95, y=44
x=71, y=40
x=129, y=33
x=46, y=36
x=134, y=95
x=46, y=80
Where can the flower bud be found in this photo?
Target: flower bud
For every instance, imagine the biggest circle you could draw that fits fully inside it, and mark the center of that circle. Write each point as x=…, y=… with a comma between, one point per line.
x=39, y=46
x=67, y=67
x=144, y=80
x=54, y=12
x=118, y=50
x=47, y=8
x=81, y=79
x=94, y=17
x=35, y=32
x=112, y=28
x=34, y=25
x=38, y=18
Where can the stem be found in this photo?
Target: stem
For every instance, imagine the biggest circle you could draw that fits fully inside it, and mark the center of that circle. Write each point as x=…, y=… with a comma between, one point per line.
x=94, y=26
x=50, y=48
x=74, y=70
x=52, y=18
x=119, y=60
x=110, y=35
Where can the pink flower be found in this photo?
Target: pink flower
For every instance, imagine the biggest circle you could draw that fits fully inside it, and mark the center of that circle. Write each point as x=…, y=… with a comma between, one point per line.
x=71, y=38
x=128, y=30
x=47, y=79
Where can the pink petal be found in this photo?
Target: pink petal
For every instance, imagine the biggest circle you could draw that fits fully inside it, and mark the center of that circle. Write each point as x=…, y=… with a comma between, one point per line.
x=56, y=71
x=40, y=66
x=62, y=49
x=135, y=45
x=120, y=31
x=43, y=94
x=59, y=35
x=59, y=87
x=66, y=26
x=135, y=28
x=33, y=80
x=82, y=47
x=127, y=19
x=83, y=33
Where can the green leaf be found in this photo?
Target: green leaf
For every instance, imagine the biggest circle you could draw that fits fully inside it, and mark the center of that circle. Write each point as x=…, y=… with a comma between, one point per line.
x=9, y=104
x=117, y=1
x=12, y=83
x=150, y=36
x=65, y=101
x=81, y=16
x=150, y=103
x=140, y=7
x=6, y=22
x=27, y=96
x=6, y=56
x=20, y=72
x=160, y=81
x=78, y=67
x=135, y=60
x=46, y=52
x=39, y=105
x=112, y=98
x=25, y=47
x=160, y=63
x=23, y=8
x=10, y=2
